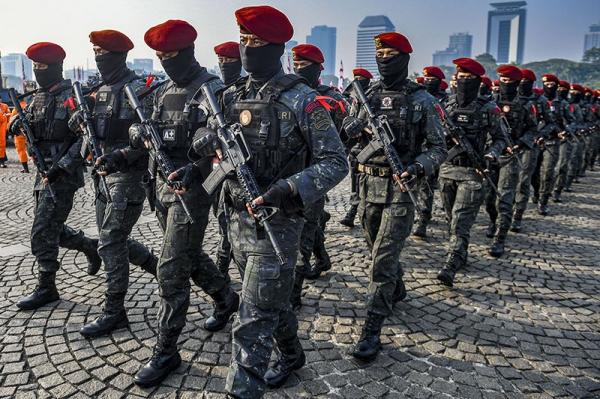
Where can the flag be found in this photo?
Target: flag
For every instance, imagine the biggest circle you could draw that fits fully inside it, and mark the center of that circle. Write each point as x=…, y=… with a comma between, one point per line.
x=341, y=77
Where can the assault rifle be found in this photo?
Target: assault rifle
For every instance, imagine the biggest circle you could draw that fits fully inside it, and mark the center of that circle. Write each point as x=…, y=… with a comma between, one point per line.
x=156, y=147
x=235, y=159
x=33, y=149
x=89, y=135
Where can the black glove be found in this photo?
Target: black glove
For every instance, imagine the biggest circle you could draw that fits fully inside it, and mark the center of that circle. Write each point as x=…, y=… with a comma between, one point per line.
x=15, y=126
x=490, y=156
x=415, y=170
x=75, y=121
x=205, y=142
x=185, y=176
x=353, y=126
x=111, y=162
x=278, y=194
x=54, y=173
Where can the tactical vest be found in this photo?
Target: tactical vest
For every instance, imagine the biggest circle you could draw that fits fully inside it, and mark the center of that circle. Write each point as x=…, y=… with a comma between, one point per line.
x=276, y=143
x=113, y=115
x=475, y=123
x=556, y=108
x=514, y=112
x=406, y=120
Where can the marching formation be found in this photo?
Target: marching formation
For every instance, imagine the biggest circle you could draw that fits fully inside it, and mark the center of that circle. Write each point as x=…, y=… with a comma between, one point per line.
x=263, y=150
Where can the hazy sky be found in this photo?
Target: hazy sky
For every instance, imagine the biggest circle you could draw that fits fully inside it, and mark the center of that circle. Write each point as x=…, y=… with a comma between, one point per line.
x=555, y=28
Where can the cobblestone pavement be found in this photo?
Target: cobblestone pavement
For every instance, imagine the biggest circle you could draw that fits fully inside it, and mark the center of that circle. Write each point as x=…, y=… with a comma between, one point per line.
x=527, y=325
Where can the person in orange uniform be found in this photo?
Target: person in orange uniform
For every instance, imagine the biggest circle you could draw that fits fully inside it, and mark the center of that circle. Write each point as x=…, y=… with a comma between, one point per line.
x=4, y=114
x=21, y=144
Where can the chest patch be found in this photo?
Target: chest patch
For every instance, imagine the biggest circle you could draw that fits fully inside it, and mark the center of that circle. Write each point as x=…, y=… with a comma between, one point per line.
x=169, y=135
x=245, y=117
x=506, y=109
x=387, y=103
x=463, y=118
x=102, y=97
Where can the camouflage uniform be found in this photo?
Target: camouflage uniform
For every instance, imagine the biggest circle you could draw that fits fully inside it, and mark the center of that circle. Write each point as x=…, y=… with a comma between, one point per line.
x=572, y=117
x=48, y=115
x=577, y=148
x=386, y=213
x=461, y=186
x=303, y=146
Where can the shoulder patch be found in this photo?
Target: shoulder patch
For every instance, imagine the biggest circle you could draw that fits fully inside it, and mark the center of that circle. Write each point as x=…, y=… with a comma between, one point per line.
x=319, y=119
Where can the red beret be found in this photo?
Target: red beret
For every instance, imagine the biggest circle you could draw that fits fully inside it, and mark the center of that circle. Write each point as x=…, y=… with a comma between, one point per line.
x=510, y=71
x=528, y=74
x=588, y=90
x=362, y=72
x=443, y=85
x=228, y=49
x=420, y=79
x=538, y=90
x=486, y=81
x=434, y=72
x=172, y=35
x=111, y=40
x=550, y=78
x=565, y=84
x=577, y=87
x=496, y=83
x=266, y=22
x=46, y=53
x=394, y=40
x=308, y=52
x=596, y=93
x=470, y=65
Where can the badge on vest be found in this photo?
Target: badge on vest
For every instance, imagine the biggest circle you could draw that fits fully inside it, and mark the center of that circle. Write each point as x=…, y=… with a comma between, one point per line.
x=387, y=103
x=506, y=109
x=169, y=135
x=245, y=117
x=462, y=118
x=102, y=97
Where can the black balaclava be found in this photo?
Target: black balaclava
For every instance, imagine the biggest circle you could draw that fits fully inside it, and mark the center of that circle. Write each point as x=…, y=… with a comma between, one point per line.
x=588, y=97
x=508, y=91
x=393, y=70
x=50, y=76
x=262, y=63
x=525, y=87
x=183, y=68
x=576, y=98
x=550, y=92
x=432, y=86
x=230, y=71
x=563, y=94
x=484, y=90
x=112, y=66
x=467, y=90
x=311, y=73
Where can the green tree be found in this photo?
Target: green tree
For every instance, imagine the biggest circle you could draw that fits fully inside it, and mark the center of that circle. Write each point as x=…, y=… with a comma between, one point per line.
x=592, y=55
x=489, y=63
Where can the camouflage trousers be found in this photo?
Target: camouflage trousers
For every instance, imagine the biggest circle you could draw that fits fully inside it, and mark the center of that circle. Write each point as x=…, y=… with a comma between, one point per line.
x=49, y=231
x=508, y=177
x=115, y=220
x=462, y=200
x=224, y=248
x=265, y=311
x=529, y=159
x=575, y=162
x=426, y=193
x=545, y=178
x=562, y=167
x=386, y=227
x=182, y=257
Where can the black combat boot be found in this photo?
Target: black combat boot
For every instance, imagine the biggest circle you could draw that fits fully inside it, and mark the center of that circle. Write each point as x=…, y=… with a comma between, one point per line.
x=222, y=264
x=44, y=293
x=369, y=343
x=421, y=230
x=164, y=360
x=3, y=164
x=322, y=264
x=497, y=248
x=448, y=272
x=348, y=220
x=150, y=265
x=25, y=166
x=556, y=197
x=227, y=303
x=90, y=250
x=490, y=232
x=543, y=206
x=291, y=357
x=399, y=291
x=516, y=225
x=113, y=317
x=535, y=199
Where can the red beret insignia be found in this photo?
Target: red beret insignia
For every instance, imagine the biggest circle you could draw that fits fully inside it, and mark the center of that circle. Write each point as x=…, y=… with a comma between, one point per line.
x=393, y=40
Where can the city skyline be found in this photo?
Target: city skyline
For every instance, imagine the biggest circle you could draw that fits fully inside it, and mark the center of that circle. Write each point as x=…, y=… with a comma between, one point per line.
x=325, y=38
x=215, y=23
x=506, y=31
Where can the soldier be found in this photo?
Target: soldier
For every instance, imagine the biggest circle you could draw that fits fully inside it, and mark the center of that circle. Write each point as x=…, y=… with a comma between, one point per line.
x=296, y=157
x=578, y=149
x=461, y=183
x=595, y=145
x=549, y=155
x=308, y=63
x=386, y=211
x=176, y=118
x=229, y=61
x=530, y=156
x=485, y=89
x=112, y=118
x=567, y=143
x=590, y=117
x=520, y=114
x=364, y=78
x=432, y=80
x=48, y=116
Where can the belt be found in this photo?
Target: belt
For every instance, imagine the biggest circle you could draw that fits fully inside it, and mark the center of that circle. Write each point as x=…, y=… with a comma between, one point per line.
x=378, y=171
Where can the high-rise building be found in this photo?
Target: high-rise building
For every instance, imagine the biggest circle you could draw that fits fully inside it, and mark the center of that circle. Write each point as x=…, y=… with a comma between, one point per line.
x=506, y=31
x=17, y=65
x=370, y=27
x=459, y=46
x=143, y=66
x=324, y=37
x=592, y=38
